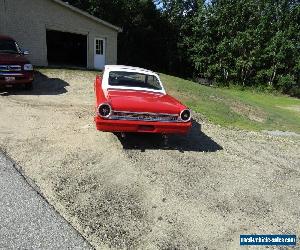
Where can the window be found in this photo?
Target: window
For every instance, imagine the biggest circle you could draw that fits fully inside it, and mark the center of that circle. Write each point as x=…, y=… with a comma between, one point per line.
x=133, y=79
x=99, y=47
x=9, y=46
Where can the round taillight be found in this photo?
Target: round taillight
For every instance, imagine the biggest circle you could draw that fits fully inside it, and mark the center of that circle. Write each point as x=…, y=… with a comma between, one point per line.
x=104, y=110
x=185, y=115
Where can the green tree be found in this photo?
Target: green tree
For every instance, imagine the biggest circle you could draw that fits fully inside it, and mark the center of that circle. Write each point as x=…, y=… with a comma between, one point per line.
x=245, y=42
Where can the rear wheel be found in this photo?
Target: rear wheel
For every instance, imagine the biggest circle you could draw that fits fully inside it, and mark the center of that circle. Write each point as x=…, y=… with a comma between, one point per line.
x=28, y=86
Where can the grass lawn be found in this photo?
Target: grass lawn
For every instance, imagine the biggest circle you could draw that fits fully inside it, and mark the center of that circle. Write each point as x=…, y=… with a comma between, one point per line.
x=236, y=108
x=229, y=107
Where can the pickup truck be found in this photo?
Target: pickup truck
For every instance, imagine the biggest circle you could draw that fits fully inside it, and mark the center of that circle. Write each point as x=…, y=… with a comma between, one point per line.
x=15, y=68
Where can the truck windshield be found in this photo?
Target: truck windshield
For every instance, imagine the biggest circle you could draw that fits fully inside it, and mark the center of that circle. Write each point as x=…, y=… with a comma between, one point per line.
x=133, y=79
x=9, y=46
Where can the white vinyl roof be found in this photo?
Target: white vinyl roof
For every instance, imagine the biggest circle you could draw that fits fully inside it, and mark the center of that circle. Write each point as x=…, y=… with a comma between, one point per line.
x=128, y=68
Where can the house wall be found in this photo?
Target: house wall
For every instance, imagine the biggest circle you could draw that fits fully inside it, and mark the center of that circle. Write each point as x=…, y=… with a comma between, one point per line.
x=2, y=17
x=28, y=20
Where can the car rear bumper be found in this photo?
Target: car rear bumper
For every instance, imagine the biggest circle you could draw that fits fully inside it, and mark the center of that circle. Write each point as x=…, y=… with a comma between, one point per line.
x=142, y=126
x=19, y=78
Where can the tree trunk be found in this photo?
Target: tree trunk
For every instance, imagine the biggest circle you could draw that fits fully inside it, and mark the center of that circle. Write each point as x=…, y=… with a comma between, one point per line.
x=271, y=81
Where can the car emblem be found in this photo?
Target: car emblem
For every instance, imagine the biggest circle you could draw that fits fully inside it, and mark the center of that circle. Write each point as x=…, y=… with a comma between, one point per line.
x=8, y=67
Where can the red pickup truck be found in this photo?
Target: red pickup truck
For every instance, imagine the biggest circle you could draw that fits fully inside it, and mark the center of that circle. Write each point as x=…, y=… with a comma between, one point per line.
x=15, y=68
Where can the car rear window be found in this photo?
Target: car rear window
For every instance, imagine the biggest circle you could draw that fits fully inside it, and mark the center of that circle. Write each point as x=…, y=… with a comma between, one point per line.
x=133, y=79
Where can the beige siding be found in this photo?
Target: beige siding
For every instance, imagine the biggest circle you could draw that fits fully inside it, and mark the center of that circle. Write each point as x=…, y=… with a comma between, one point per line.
x=2, y=17
x=28, y=20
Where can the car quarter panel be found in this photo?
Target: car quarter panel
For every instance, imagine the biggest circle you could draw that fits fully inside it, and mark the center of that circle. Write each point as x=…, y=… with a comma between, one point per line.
x=100, y=97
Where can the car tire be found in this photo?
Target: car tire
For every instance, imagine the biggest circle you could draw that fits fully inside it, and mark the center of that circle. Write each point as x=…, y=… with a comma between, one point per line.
x=28, y=86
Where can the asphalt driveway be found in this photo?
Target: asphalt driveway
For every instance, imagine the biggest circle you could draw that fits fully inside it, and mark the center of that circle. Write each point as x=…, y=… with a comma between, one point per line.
x=27, y=221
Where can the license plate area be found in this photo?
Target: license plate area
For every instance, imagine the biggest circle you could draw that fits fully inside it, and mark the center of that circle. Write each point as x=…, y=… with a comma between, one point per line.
x=146, y=128
x=9, y=78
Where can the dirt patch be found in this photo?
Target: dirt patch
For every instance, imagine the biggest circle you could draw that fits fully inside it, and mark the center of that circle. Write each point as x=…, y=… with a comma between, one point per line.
x=293, y=108
x=253, y=114
x=281, y=133
x=245, y=110
x=200, y=191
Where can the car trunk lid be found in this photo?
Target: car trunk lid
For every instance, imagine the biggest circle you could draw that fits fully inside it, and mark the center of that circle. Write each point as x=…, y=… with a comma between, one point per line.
x=142, y=101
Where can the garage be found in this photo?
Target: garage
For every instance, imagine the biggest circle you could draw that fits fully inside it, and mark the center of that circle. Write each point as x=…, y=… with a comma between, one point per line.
x=58, y=34
x=67, y=49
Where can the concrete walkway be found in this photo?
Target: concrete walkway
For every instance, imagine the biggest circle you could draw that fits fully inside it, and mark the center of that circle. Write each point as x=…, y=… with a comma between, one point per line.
x=27, y=221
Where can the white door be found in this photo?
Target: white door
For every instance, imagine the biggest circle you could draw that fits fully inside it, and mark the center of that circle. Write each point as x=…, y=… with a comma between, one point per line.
x=99, y=53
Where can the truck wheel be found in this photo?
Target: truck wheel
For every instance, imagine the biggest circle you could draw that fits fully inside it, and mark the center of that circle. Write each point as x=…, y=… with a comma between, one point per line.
x=28, y=86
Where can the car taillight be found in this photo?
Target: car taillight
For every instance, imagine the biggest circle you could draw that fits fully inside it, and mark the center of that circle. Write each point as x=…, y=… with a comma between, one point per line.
x=104, y=110
x=185, y=115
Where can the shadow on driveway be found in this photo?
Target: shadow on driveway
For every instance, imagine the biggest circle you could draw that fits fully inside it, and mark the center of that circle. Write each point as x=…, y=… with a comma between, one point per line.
x=195, y=140
x=42, y=85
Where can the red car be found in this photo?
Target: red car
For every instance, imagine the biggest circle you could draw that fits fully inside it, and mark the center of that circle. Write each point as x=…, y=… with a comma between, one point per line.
x=15, y=69
x=130, y=99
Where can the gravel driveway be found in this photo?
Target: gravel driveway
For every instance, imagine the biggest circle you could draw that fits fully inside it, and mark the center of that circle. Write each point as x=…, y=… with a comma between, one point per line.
x=201, y=191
